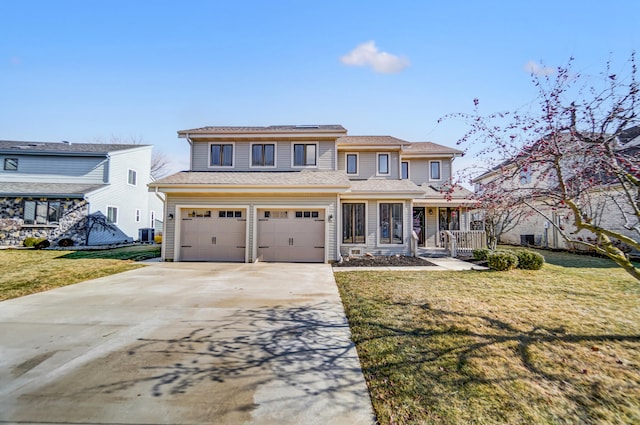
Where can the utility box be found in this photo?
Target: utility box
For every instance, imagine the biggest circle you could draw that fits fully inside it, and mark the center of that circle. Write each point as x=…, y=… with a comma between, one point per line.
x=146, y=235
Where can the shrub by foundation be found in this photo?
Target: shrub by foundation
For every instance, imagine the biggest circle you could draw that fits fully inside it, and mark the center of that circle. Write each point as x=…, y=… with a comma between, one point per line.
x=502, y=261
x=529, y=260
x=481, y=254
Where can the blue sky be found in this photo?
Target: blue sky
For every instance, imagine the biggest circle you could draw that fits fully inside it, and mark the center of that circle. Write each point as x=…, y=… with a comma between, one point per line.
x=89, y=70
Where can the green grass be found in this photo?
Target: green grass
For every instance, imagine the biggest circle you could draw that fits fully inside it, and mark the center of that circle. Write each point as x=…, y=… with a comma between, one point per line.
x=559, y=345
x=27, y=271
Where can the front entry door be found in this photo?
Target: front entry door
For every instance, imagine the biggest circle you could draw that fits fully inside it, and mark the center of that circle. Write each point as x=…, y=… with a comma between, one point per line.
x=419, y=224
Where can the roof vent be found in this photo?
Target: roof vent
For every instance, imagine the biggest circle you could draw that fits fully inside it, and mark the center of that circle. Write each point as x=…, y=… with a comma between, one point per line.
x=308, y=126
x=66, y=142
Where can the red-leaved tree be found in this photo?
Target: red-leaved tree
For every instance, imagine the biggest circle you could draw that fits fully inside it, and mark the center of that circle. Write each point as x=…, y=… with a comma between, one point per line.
x=576, y=156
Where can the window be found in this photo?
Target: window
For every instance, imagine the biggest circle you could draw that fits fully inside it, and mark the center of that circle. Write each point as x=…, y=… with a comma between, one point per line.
x=391, y=228
x=152, y=219
x=132, y=178
x=353, y=223
x=305, y=155
x=352, y=163
x=11, y=164
x=41, y=212
x=263, y=155
x=112, y=215
x=434, y=170
x=137, y=215
x=405, y=170
x=383, y=163
x=221, y=155
x=525, y=176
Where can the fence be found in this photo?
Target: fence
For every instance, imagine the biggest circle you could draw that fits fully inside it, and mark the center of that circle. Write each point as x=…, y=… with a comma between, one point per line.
x=463, y=241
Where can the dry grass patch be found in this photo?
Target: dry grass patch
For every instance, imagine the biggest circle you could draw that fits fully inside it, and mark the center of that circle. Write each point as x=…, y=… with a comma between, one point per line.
x=27, y=271
x=560, y=345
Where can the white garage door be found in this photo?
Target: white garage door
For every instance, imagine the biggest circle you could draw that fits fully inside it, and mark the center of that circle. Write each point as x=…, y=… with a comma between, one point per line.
x=213, y=235
x=291, y=235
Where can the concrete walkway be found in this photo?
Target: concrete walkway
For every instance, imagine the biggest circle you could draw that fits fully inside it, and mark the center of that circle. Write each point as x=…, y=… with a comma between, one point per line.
x=184, y=343
x=441, y=264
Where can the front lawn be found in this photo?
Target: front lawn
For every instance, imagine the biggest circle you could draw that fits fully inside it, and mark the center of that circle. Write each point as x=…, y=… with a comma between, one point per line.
x=560, y=345
x=26, y=271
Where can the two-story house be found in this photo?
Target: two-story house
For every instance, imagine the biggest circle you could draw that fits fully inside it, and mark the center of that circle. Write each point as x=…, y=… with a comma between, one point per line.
x=306, y=194
x=49, y=189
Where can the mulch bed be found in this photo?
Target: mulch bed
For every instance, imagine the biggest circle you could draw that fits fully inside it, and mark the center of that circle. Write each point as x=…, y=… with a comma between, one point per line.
x=384, y=261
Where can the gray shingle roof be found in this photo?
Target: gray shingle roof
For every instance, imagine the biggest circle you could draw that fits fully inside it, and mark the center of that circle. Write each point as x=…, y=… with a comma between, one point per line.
x=429, y=148
x=69, y=190
x=255, y=179
x=8, y=146
x=265, y=129
x=385, y=185
x=370, y=140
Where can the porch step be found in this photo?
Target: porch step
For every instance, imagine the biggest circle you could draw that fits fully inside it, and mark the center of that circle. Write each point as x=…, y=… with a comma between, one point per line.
x=433, y=252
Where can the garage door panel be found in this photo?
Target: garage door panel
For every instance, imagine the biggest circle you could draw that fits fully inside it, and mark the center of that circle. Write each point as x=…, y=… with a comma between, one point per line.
x=291, y=236
x=213, y=235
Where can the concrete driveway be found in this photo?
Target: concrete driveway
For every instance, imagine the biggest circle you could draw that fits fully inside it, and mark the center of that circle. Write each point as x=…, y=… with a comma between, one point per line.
x=184, y=343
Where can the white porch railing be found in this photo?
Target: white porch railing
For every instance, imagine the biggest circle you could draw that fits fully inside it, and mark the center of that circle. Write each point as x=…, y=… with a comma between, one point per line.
x=463, y=241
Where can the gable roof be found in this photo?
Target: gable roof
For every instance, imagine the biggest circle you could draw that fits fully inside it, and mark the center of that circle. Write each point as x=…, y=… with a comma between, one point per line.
x=62, y=148
x=429, y=148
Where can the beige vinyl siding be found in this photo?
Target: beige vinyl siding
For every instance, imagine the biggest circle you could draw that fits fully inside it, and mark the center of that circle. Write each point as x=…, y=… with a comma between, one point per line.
x=372, y=246
x=61, y=169
x=251, y=203
x=420, y=172
x=431, y=222
x=242, y=154
x=368, y=164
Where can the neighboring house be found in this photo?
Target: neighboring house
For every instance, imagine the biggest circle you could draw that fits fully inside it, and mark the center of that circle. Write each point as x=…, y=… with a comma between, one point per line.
x=306, y=194
x=606, y=202
x=59, y=190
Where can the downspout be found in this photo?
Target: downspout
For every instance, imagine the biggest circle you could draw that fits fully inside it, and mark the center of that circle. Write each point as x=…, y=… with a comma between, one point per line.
x=190, y=152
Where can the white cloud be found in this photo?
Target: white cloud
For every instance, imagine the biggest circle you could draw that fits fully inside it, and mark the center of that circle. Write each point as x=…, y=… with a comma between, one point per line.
x=537, y=69
x=367, y=54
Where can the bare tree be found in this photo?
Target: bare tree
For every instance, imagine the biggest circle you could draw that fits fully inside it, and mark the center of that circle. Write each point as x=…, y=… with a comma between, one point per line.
x=160, y=163
x=573, y=148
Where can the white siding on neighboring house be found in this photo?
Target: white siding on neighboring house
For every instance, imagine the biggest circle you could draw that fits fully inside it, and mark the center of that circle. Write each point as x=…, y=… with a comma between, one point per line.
x=129, y=198
x=54, y=168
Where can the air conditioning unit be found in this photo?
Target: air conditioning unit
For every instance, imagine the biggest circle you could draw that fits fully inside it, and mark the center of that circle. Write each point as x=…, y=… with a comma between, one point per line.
x=355, y=252
x=146, y=235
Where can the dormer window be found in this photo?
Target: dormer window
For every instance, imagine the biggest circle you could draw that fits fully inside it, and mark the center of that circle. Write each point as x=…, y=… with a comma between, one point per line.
x=221, y=155
x=305, y=154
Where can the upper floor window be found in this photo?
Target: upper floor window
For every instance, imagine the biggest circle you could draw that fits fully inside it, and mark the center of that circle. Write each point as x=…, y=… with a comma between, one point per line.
x=525, y=176
x=263, y=155
x=434, y=170
x=305, y=154
x=41, y=212
x=352, y=163
x=405, y=170
x=11, y=164
x=112, y=214
x=221, y=155
x=383, y=163
x=132, y=178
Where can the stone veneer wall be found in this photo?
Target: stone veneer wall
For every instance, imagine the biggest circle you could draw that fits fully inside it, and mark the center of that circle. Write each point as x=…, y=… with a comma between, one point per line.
x=13, y=231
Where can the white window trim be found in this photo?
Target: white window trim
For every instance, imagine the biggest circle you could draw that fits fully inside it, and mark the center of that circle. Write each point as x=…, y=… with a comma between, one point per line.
x=136, y=177
x=404, y=223
x=439, y=166
x=117, y=213
x=137, y=215
x=275, y=155
x=305, y=143
x=366, y=223
x=233, y=155
x=378, y=173
x=408, y=170
x=346, y=163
